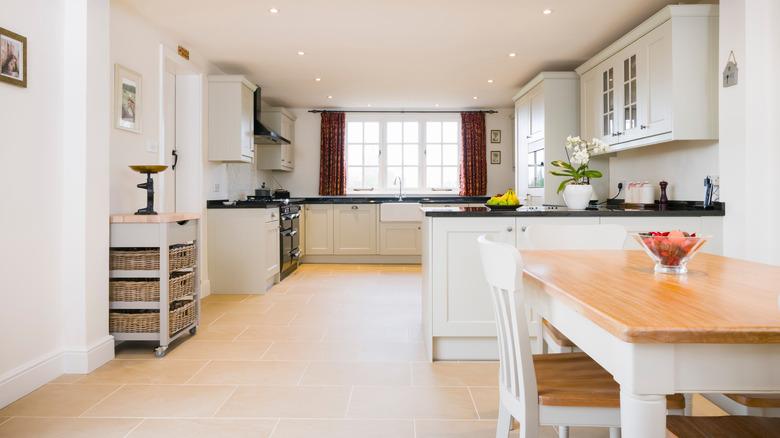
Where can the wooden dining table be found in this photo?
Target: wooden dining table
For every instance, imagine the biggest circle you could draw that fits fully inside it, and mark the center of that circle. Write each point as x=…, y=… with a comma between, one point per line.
x=715, y=329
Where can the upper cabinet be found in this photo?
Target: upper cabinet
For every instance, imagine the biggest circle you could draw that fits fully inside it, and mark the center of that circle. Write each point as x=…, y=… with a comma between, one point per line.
x=231, y=118
x=277, y=156
x=656, y=84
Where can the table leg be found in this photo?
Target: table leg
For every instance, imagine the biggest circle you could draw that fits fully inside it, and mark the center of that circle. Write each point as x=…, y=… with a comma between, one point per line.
x=642, y=416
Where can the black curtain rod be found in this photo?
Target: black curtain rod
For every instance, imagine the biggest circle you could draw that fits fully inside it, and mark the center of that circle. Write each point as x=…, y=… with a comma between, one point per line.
x=404, y=111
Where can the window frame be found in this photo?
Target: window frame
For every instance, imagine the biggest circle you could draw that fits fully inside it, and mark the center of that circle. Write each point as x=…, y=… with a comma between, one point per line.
x=385, y=187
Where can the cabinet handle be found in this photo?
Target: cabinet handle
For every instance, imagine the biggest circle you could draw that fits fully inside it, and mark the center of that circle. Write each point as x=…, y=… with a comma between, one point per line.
x=527, y=136
x=355, y=207
x=643, y=127
x=523, y=228
x=509, y=229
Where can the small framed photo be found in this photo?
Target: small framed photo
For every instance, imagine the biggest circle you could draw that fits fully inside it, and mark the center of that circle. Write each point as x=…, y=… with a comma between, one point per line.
x=495, y=157
x=495, y=136
x=13, y=58
x=127, y=99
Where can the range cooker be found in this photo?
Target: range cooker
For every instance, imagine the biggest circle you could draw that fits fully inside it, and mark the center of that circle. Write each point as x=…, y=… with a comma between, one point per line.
x=289, y=229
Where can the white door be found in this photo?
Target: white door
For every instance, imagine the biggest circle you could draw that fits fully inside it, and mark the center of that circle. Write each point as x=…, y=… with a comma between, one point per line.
x=169, y=141
x=319, y=229
x=354, y=229
x=461, y=298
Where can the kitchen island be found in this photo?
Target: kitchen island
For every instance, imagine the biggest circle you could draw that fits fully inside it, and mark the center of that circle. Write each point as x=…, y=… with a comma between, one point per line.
x=457, y=313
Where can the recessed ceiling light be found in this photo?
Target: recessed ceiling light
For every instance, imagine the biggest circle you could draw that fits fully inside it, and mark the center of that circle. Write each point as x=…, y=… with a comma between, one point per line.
x=368, y=105
x=475, y=97
x=437, y=105
x=273, y=11
x=330, y=97
x=300, y=53
x=512, y=55
x=547, y=11
x=317, y=79
x=490, y=81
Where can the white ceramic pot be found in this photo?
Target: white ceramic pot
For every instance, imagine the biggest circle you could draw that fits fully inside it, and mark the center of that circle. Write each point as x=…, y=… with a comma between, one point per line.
x=577, y=196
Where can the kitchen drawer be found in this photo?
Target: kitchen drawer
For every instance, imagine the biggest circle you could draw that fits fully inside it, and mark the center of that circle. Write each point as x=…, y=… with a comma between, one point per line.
x=182, y=233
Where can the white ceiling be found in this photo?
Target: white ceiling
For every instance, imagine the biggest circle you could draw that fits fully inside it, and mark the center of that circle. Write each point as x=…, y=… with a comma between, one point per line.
x=394, y=53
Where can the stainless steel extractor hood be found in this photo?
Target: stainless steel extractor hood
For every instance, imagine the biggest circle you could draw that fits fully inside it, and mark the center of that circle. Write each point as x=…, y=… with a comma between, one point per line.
x=263, y=135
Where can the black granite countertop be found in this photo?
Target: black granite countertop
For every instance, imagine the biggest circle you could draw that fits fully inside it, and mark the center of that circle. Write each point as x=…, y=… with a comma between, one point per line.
x=674, y=209
x=221, y=203
x=384, y=199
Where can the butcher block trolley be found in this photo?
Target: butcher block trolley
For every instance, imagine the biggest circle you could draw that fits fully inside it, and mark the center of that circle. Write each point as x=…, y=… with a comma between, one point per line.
x=154, y=285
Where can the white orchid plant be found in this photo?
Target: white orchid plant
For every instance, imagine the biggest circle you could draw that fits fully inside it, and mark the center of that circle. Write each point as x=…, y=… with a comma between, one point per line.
x=576, y=169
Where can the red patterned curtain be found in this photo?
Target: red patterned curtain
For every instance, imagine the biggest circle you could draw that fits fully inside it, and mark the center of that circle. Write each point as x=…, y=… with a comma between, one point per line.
x=333, y=168
x=473, y=160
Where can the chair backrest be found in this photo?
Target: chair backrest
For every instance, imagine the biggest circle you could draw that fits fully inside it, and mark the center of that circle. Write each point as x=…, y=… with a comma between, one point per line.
x=503, y=269
x=565, y=237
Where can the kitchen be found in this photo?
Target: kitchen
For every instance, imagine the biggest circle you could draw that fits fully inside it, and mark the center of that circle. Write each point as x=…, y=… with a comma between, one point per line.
x=319, y=195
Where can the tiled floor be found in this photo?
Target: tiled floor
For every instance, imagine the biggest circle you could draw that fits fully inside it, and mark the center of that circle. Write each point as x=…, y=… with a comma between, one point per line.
x=333, y=351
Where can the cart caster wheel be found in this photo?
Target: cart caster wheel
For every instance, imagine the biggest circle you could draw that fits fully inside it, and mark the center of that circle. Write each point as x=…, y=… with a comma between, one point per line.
x=193, y=331
x=160, y=351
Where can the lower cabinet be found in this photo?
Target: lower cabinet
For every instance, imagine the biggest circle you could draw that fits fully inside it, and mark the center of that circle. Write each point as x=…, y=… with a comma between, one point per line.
x=354, y=229
x=319, y=229
x=272, y=248
x=400, y=238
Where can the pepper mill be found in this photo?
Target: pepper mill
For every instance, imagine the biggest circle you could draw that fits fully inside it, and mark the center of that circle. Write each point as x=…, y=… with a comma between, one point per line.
x=664, y=201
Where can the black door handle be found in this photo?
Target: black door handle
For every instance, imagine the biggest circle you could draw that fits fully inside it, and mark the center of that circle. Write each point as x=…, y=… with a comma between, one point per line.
x=175, y=159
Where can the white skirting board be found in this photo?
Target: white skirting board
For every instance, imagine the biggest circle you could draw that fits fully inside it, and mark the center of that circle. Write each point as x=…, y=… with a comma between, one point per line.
x=27, y=377
x=205, y=289
x=83, y=361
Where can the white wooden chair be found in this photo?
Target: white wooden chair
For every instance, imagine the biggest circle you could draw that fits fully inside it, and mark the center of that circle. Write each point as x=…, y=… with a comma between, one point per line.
x=553, y=389
x=570, y=237
x=761, y=405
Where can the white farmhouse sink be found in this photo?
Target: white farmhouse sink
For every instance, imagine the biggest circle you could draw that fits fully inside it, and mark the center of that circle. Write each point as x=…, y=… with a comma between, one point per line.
x=400, y=212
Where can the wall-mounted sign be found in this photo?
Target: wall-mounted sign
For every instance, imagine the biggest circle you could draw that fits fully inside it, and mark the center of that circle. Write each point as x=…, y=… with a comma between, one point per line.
x=184, y=53
x=731, y=71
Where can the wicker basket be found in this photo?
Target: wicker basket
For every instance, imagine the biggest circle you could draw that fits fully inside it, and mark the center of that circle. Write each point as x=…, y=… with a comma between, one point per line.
x=148, y=259
x=182, y=314
x=180, y=285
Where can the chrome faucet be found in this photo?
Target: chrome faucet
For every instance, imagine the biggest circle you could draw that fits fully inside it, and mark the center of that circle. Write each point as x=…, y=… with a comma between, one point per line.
x=400, y=183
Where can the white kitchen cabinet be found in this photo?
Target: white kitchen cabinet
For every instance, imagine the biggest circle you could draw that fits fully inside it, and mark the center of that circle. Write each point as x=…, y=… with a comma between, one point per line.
x=522, y=224
x=243, y=255
x=657, y=83
x=319, y=229
x=231, y=119
x=277, y=156
x=354, y=229
x=399, y=238
x=550, y=96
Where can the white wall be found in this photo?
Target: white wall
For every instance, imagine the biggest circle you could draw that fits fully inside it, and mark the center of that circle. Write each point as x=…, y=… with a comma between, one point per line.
x=749, y=113
x=54, y=237
x=237, y=180
x=683, y=164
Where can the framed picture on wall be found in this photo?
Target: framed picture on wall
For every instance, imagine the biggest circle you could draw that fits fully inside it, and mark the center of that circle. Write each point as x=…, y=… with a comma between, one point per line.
x=495, y=136
x=127, y=99
x=13, y=58
x=495, y=157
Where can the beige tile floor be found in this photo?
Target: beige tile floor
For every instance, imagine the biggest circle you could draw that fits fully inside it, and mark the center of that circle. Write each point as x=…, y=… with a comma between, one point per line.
x=333, y=351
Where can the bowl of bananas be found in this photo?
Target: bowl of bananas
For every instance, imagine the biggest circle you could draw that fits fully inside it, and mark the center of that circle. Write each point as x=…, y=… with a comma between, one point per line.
x=507, y=201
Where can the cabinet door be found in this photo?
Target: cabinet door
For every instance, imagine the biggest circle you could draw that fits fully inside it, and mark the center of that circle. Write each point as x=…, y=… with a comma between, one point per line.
x=645, y=224
x=630, y=61
x=655, y=91
x=607, y=73
x=247, y=123
x=591, y=105
x=272, y=249
x=399, y=238
x=537, y=114
x=461, y=303
x=319, y=229
x=354, y=229
x=287, y=155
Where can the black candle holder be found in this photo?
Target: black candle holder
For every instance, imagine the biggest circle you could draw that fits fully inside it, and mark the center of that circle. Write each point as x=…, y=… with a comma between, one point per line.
x=148, y=170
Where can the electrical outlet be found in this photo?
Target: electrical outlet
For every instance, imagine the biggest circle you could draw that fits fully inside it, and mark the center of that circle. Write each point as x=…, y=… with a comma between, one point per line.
x=216, y=188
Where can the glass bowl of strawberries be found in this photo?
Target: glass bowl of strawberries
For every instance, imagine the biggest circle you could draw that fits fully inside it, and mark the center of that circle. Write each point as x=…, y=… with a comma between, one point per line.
x=671, y=250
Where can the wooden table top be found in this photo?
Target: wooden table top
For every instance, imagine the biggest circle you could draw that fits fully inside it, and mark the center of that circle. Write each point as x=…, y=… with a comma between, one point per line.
x=152, y=218
x=720, y=300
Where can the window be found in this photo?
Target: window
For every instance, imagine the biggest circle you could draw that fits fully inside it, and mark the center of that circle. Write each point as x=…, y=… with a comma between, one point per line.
x=536, y=168
x=422, y=151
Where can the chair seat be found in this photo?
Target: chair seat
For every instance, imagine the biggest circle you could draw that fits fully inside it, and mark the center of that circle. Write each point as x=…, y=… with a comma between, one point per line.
x=756, y=400
x=723, y=427
x=556, y=336
x=574, y=379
